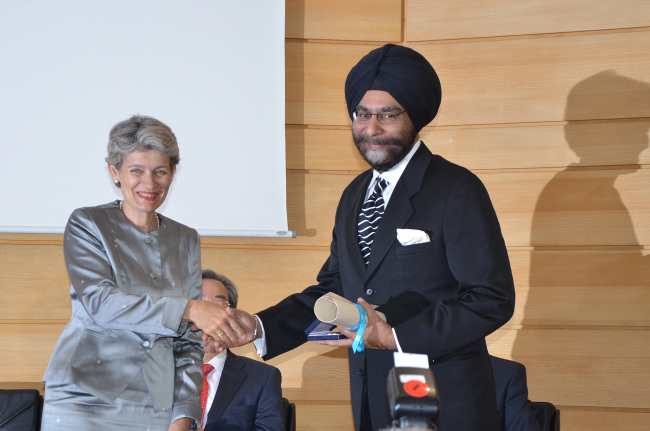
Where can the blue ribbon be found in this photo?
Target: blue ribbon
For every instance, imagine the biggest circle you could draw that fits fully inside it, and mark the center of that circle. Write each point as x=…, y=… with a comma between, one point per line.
x=357, y=344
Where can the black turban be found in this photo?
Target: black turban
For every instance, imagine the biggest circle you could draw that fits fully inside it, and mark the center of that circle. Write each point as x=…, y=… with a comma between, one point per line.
x=402, y=72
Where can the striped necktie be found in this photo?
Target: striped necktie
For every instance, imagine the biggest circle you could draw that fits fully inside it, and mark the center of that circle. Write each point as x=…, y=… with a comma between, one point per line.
x=369, y=218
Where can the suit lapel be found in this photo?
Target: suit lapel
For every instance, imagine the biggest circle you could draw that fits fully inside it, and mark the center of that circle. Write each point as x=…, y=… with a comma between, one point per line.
x=232, y=376
x=352, y=217
x=399, y=209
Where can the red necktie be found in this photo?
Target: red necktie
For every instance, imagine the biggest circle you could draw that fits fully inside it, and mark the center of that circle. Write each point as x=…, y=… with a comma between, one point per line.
x=207, y=369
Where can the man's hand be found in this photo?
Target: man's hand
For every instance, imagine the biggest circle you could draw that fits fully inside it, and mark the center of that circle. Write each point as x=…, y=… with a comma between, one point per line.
x=378, y=334
x=216, y=323
x=245, y=321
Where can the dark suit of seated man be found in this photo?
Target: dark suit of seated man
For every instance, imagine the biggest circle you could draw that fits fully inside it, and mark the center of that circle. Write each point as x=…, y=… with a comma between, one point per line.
x=515, y=412
x=248, y=395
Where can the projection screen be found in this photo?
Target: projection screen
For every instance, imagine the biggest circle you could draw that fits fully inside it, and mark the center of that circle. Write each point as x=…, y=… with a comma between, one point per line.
x=212, y=70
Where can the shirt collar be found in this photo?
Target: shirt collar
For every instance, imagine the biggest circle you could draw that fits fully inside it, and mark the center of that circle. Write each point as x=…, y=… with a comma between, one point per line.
x=218, y=361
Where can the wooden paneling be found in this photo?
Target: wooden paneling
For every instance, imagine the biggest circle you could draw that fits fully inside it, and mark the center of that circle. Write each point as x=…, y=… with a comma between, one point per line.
x=26, y=350
x=488, y=81
x=317, y=417
x=544, y=208
x=590, y=420
x=323, y=149
x=578, y=77
x=264, y=277
x=602, y=288
x=316, y=96
x=551, y=145
x=581, y=367
x=554, y=287
x=572, y=207
x=449, y=19
x=33, y=283
x=378, y=20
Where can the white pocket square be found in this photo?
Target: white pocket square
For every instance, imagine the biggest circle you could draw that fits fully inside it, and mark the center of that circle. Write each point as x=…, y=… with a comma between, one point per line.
x=412, y=236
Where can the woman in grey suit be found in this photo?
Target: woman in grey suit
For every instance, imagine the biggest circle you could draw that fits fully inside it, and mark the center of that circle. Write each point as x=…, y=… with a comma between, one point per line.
x=128, y=358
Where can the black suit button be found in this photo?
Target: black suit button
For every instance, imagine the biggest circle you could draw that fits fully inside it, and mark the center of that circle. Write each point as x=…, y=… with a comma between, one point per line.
x=370, y=291
x=361, y=372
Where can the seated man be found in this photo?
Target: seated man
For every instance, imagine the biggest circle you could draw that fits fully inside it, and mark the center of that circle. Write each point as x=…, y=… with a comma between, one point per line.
x=242, y=393
x=515, y=412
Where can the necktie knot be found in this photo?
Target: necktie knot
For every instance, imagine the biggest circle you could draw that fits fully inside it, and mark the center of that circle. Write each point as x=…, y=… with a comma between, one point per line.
x=370, y=216
x=207, y=369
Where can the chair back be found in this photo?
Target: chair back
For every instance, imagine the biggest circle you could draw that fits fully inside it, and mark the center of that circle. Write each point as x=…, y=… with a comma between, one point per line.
x=20, y=409
x=289, y=415
x=547, y=414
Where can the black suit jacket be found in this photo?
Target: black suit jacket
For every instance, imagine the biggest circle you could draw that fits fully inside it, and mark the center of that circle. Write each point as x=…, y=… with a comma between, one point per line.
x=442, y=297
x=249, y=397
x=515, y=412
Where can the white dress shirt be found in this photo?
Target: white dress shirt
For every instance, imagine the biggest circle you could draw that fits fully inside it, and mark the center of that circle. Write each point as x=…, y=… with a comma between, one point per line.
x=213, y=380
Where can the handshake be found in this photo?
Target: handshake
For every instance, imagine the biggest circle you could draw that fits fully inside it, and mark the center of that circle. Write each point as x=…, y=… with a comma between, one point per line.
x=225, y=327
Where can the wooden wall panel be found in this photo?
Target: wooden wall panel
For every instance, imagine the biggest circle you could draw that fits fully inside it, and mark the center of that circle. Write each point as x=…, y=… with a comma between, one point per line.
x=377, y=20
x=316, y=417
x=572, y=207
x=311, y=205
x=26, y=350
x=449, y=19
x=34, y=283
x=551, y=145
x=488, y=81
x=323, y=149
x=542, y=79
x=593, y=143
x=554, y=287
x=581, y=367
x=540, y=208
x=589, y=420
x=601, y=288
x=317, y=97
x=264, y=277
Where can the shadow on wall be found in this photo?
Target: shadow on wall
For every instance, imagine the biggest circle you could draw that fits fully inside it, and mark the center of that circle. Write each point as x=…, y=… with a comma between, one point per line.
x=587, y=267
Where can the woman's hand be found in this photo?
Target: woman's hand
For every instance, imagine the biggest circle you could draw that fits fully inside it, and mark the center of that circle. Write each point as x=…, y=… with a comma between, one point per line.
x=215, y=322
x=182, y=424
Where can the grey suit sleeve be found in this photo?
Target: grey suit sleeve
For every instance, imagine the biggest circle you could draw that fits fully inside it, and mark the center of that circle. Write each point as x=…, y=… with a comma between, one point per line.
x=92, y=276
x=188, y=355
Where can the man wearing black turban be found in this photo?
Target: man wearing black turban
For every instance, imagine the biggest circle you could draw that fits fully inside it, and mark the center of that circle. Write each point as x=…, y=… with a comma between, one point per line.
x=437, y=265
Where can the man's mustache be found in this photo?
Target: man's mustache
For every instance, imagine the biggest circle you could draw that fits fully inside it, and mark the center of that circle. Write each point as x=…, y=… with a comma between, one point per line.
x=378, y=141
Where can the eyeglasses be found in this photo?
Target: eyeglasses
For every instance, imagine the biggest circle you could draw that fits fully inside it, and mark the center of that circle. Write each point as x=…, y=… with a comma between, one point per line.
x=385, y=117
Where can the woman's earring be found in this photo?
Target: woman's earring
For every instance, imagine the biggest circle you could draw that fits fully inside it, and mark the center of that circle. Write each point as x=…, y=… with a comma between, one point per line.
x=117, y=183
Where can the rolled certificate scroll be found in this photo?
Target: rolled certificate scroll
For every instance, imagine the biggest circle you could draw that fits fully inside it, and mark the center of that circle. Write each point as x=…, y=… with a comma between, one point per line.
x=336, y=310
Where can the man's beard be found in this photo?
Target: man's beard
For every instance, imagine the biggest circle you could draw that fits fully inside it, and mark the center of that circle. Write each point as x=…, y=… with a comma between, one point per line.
x=393, y=150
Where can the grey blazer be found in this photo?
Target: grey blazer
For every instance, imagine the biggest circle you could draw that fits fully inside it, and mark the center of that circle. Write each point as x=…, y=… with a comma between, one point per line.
x=129, y=292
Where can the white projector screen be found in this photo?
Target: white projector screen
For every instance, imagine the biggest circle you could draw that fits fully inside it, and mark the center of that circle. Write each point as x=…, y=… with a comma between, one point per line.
x=213, y=70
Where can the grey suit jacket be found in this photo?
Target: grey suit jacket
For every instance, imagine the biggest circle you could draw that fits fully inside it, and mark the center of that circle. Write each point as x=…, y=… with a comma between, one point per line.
x=129, y=292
